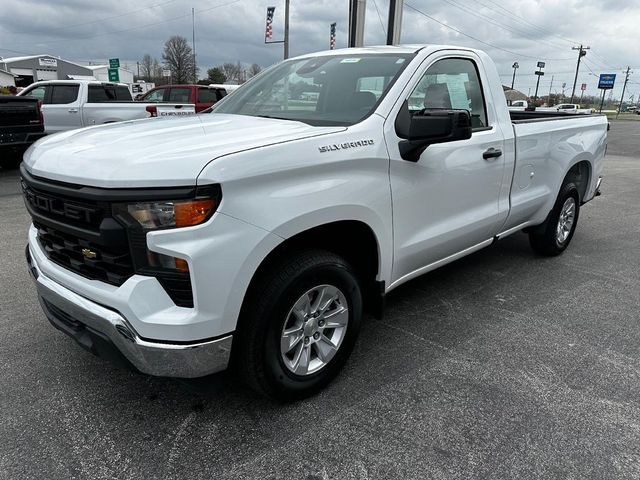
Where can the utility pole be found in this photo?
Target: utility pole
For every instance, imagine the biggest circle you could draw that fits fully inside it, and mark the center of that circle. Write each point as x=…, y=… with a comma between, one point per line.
x=515, y=66
x=357, y=10
x=624, y=87
x=582, y=51
x=549, y=97
x=193, y=42
x=286, y=29
x=394, y=27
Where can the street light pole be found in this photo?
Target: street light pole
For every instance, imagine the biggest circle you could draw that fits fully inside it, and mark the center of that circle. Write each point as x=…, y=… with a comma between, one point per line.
x=286, y=29
x=193, y=42
x=539, y=73
x=515, y=66
x=394, y=25
x=582, y=51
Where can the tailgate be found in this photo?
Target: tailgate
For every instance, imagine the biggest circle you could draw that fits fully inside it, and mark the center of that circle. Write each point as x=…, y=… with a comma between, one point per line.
x=18, y=111
x=175, y=110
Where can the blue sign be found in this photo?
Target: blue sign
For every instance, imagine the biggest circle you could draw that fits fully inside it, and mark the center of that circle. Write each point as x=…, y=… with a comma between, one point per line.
x=606, y=80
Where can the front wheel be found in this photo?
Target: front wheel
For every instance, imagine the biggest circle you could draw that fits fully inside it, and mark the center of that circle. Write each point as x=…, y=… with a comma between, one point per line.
x=557, y=231
x=299, y=324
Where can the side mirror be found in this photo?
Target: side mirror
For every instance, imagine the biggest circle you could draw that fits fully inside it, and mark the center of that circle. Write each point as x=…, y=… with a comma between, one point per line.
x=427, y=127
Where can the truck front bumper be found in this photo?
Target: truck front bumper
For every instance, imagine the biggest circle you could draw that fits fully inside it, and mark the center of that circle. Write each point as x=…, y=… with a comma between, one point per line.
x=107, y=334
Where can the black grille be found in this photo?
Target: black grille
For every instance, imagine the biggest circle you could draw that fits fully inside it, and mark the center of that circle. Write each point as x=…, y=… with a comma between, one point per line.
x=179, y=289
x=111, y=265
x=83, y=236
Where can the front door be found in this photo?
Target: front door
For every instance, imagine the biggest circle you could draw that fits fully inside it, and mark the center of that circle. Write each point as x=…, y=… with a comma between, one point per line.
x=447, y=201
x=61, y=108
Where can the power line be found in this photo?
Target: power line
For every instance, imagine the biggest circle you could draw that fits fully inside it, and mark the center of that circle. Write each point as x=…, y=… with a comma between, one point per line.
x=375, y=4
x=101, y=19
x=149, y=24
x=522, y=19
x=477, y=39
x=475, y=13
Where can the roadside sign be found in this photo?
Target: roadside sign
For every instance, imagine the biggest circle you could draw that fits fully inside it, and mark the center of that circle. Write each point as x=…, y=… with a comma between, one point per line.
x=539, y=73
x=114, y=63
x=583, y=87
x=541, y=64
x=606, y=81
x=114, y=75
x=166, y=72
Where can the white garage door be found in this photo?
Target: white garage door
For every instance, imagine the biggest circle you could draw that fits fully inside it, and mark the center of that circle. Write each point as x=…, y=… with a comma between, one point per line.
x=22, y=71
x=47, y=74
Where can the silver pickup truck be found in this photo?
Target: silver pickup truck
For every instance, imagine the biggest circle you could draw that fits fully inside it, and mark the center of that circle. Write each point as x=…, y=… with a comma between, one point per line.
x=70, y=104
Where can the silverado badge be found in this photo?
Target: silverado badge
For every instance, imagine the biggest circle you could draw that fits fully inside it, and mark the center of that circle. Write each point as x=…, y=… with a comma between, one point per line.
x=343, y=146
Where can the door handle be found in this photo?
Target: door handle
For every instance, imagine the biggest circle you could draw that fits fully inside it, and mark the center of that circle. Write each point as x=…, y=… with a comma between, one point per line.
x=492, y=153
x=73, y=110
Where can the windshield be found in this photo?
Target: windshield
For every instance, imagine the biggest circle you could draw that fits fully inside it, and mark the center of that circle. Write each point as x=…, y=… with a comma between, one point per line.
x=324, y=90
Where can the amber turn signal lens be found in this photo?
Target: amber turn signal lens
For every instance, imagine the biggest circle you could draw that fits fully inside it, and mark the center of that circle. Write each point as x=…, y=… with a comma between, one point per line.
x=193, y=212
x=182, y=265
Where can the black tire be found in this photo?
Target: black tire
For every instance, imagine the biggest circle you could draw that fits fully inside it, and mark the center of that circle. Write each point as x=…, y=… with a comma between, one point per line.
x=256, y=354
x=544, y=239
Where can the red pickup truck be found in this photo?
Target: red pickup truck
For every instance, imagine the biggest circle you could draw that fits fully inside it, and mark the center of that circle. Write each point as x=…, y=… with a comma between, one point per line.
x=202, y=96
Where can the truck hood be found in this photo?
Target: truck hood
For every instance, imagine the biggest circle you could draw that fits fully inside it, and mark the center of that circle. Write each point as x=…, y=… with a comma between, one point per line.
x=156, y=152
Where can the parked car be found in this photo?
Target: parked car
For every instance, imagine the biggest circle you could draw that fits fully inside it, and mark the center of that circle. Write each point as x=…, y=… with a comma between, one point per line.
x=255, y=236
x=571, y=108
x=202, y=96
x=519, y=105
x=70, y=104
x=21, y=124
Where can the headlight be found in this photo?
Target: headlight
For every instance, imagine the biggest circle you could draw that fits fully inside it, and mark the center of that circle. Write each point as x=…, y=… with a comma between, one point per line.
x=154, y=215
x=159, y=210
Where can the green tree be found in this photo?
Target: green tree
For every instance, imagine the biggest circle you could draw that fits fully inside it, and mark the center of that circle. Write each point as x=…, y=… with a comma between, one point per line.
x=215, y=75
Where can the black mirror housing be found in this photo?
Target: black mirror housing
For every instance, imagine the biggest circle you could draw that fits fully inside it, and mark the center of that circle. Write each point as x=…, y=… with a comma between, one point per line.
x=430, y=126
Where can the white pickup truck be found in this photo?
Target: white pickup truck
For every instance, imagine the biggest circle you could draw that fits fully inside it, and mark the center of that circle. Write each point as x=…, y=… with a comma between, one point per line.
x=70, y=104
x=255, y=236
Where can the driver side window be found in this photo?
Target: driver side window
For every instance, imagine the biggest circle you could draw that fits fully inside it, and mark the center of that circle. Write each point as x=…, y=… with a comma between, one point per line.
x=38, y=92
x=451, y=83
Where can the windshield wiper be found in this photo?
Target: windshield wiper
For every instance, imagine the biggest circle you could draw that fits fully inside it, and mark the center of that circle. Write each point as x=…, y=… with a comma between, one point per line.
x=276, y=118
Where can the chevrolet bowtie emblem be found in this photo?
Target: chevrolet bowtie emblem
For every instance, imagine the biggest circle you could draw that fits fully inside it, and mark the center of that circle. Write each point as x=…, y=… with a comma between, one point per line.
x=89, y=253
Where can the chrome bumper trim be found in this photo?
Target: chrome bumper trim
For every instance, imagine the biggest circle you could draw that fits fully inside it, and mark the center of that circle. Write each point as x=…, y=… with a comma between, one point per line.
x=159, y=359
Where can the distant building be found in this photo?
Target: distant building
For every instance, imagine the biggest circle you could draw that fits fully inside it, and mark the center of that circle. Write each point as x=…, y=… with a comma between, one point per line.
x=101, y=72
x=513, y=95
x=7, y=79
x=33, y=68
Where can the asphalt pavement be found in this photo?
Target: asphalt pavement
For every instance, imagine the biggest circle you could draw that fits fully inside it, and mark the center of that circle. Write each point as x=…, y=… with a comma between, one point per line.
x=500, y=365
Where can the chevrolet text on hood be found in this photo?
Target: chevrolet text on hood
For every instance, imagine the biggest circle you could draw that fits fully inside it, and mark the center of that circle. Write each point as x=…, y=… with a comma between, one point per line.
x=254, y=235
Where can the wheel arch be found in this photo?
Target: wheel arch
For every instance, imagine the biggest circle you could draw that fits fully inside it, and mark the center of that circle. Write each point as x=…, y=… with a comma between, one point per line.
x=354, y=240
x=579, y=173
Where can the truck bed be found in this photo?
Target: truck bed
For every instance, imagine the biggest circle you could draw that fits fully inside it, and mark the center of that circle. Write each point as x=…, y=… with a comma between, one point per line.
x=541, y=116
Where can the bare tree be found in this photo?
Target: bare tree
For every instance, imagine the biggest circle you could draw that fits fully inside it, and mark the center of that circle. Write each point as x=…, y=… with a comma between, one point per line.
x=178, y=57
x=146, y=67
x=232, y=71
x=253, y=70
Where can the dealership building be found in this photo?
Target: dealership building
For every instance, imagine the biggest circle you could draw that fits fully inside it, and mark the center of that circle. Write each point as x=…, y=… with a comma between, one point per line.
x=33, y=68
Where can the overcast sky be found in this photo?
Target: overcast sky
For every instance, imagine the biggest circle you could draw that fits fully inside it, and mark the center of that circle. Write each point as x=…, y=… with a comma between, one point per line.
x=229, y=30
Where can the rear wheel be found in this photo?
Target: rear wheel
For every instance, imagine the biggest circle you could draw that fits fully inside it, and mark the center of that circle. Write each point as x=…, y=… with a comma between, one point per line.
x=299, y=324
x=554, y=236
